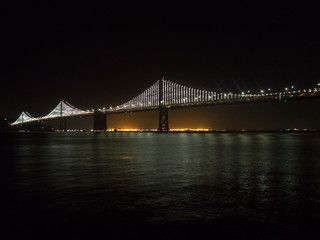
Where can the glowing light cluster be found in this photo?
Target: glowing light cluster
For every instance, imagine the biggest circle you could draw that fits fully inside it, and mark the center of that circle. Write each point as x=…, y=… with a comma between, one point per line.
x=147, y=99
x=24, y=117
x=64, y=109
x=174, y=94
x=191, y=130
x=127, y=130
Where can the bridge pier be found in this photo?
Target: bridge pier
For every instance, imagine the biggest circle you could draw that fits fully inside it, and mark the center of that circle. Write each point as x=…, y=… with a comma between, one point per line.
x=100, y=121
x=63, y=124
x=163, y=120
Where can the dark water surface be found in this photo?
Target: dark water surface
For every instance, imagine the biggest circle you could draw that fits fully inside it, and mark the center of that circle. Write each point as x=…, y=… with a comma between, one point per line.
x=160, y=186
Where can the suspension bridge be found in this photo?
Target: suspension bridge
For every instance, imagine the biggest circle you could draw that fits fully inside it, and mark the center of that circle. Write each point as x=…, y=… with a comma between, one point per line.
x=162, y=96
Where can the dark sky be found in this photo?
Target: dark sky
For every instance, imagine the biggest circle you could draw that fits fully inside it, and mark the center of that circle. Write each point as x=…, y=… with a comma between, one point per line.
x=103, y=54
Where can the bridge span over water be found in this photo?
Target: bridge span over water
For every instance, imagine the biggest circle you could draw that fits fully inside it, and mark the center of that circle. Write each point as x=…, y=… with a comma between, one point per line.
x=162, y=96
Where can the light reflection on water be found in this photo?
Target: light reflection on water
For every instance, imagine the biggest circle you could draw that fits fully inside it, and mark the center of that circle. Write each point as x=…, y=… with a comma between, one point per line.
x=161, y=178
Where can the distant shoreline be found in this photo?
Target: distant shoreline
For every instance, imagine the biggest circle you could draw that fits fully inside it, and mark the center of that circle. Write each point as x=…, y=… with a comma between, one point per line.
x=173, y=132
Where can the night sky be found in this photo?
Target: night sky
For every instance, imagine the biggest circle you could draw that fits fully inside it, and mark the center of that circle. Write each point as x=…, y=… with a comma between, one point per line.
x=104, y=54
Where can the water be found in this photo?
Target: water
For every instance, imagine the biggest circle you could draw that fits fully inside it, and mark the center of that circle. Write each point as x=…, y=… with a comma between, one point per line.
x=160, y=186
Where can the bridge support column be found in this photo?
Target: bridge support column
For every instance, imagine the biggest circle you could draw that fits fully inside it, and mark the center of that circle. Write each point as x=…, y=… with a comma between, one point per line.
x=163, y=120
x=63, y=124
x=100, y=121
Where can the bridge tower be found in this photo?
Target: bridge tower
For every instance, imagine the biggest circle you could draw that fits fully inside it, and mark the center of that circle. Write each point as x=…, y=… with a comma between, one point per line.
x=100, y=121
x=163, y=112
x=63, y=120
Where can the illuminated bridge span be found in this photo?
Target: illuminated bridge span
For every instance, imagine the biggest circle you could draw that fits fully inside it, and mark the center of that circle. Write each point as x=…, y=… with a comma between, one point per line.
x=162, y=96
